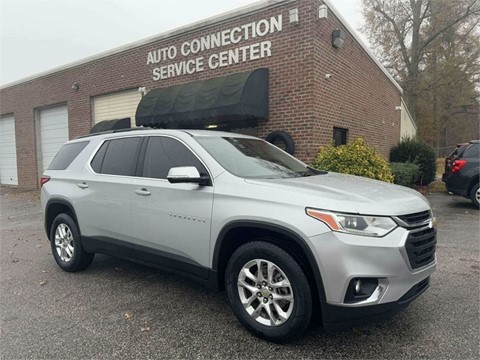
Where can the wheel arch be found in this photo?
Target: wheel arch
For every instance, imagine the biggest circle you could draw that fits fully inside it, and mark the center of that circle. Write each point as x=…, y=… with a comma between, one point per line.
x=473, y=182
x=237, y=233
x=55, y=207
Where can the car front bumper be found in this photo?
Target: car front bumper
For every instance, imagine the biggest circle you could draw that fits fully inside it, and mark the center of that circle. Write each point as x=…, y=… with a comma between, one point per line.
x=342, y=257
x=340, y=317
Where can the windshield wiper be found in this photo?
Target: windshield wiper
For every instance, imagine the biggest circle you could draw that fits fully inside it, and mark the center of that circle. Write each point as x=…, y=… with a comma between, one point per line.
x=315, y=171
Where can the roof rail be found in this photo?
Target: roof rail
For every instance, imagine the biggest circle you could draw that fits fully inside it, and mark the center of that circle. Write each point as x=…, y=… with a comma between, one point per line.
x=113, y=131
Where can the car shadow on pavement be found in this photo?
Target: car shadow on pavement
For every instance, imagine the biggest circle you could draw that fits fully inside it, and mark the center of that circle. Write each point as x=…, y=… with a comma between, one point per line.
x=152, y=285
x=452, y=202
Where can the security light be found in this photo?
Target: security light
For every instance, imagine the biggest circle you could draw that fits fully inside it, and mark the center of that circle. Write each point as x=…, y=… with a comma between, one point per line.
x=322, y=12
x=338, y=38
x=294, y=19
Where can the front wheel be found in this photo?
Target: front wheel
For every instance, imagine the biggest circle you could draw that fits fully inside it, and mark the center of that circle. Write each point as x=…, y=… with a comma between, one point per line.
x=66, y=245
x=268, y=292
x=475, y=195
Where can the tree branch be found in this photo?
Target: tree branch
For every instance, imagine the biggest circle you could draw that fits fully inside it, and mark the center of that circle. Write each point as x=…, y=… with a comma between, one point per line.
x=449, y=26
x=397, y=31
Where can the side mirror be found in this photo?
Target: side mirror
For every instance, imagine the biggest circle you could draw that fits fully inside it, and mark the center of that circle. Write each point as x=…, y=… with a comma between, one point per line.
x=187, y=174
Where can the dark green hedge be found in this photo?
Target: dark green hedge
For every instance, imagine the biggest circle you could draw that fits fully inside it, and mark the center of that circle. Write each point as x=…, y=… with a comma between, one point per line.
x=416, y=152
x=405, y=174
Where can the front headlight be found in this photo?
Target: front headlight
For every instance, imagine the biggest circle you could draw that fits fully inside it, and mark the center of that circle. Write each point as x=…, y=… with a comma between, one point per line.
x=367, y=225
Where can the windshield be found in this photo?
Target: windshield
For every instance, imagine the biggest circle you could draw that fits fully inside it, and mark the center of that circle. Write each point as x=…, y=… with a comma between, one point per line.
x=253, y=158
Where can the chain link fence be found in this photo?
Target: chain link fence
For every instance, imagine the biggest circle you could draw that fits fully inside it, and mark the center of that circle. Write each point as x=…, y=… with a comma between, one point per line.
x=443, y=152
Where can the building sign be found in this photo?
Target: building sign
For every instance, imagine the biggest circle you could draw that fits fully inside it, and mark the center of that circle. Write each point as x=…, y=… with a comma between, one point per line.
x=171, y=62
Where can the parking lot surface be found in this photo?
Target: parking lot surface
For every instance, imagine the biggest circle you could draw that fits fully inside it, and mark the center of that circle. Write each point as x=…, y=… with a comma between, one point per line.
x=118, y=309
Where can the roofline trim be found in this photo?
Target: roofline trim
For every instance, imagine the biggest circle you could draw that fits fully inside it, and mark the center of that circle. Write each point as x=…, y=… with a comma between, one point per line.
x=182, y=30
x=364, y=46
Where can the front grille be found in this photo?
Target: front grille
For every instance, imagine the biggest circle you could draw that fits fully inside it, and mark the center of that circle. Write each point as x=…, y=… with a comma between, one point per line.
x=415, y=218
x=420, y=246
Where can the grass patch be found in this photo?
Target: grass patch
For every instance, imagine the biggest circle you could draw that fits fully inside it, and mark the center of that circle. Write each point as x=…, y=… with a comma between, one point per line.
x=437, y=186
x=440, y=166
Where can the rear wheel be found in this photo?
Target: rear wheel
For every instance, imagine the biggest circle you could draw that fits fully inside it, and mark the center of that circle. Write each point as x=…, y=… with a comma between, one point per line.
x=268, y=292
x=475, y=195
x=66, y=244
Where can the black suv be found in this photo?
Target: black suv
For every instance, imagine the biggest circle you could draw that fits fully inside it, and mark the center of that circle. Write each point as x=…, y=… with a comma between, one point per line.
x=462, y=177
x=451, y=158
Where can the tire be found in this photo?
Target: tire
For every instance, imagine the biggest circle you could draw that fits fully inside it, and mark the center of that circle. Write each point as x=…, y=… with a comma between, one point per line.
x=475, y=195
x=297, y=308
x=282, y=136
x=67, y=246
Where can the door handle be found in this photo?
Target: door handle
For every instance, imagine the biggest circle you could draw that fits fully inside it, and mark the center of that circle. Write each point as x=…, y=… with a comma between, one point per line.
x=143, y=192
x=82, y=185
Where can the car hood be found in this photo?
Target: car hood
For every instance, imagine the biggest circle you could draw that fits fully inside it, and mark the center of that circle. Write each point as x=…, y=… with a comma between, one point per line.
x=347, y=193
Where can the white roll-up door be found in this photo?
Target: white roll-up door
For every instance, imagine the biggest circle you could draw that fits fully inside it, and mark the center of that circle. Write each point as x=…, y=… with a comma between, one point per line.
x=8, y=151
x=116, y=105
x=53, y=132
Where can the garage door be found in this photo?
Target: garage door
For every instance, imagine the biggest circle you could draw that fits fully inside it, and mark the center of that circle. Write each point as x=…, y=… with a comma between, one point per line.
x=117, y=105
x=53, y=133
x=8, y=151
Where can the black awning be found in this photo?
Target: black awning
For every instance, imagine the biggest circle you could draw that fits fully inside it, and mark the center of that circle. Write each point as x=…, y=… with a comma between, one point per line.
x=235, y=100
x=108, y=125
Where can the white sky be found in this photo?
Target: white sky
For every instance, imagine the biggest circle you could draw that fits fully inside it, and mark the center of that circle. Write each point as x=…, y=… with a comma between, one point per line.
x=37, y=35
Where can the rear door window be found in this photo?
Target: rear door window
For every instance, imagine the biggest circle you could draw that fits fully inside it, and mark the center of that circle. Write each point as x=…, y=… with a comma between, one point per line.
x=472, y=151
x=164, y=153
x=117, y=157
x=66, y=155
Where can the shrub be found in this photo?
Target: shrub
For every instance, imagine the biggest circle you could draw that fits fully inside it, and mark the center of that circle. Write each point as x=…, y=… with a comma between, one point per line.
x=417, y=152
x=406, y=174
x=355, y=158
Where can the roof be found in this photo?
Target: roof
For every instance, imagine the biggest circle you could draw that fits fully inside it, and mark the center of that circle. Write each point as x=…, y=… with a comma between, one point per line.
x=239, y=12
x=148, y=131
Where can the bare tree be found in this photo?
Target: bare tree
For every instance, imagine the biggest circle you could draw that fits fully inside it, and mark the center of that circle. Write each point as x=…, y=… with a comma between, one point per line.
x=403, y=34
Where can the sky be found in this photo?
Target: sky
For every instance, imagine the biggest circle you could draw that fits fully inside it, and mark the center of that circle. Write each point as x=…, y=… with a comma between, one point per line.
x=38, y=35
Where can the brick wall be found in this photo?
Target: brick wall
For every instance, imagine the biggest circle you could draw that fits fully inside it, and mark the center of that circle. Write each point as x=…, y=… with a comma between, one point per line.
x=359, y=96
x=302, y=102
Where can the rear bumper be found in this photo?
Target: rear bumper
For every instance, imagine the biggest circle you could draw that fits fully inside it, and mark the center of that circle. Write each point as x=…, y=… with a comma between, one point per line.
x=457, y=191
x=458, y=184
x=337, y=317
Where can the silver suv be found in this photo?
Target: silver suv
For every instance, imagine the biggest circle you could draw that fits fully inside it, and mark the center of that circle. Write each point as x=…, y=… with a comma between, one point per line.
x=235, y=212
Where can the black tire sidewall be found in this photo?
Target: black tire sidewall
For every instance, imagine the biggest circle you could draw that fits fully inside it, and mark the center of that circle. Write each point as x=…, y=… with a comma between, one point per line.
x=283, y=136
x=473, y=195
x=80, y=258
x=302, y=311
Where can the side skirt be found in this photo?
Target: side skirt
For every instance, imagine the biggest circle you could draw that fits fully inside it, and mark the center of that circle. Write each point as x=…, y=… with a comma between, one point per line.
x=170, y=263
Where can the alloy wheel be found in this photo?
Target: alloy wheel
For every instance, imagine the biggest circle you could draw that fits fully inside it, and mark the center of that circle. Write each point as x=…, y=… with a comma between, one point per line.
x=265, y=292
x=64, y=242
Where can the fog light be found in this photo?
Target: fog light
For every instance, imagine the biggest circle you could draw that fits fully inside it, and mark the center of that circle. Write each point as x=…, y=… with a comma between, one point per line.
x=360, y=289
x=358, y=284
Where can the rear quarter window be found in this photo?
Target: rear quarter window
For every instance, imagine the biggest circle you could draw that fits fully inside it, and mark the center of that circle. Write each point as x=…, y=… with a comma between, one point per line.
x=117, y=157
x=66, y=155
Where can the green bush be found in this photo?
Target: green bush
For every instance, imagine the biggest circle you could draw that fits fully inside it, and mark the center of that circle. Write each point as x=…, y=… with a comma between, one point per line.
x=355, y=158
x=406, y=174
x=417, y=152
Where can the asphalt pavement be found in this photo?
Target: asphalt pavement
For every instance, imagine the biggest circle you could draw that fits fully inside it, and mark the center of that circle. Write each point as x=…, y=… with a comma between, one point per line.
x=118, y=309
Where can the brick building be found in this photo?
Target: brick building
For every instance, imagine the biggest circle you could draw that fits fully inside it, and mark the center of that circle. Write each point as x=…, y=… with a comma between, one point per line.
x=323, y=84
